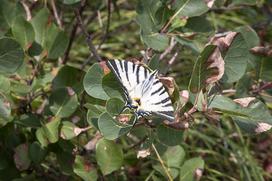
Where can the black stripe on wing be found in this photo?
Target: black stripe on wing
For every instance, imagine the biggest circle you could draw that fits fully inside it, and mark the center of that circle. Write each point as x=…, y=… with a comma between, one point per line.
x=113, y=67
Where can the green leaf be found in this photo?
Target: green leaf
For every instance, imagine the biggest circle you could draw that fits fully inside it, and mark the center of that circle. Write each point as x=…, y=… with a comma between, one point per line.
x=169, y=136
x=40, y=25
x=156, y=41
x=5, y=112
x=41, y=137
x=150, y=25
x=51, y=130
x=114, y=106
x=92, y=82
x=236, y=60
x=10, y=10
x=20, y=88
x=23, y=32
x=109, y=156
x=63, y=102
x=36, y=153
x=189, y=168
x=57, y=46
x=265, y=72
x=69, y=2
x=11, y=56
x=194, y=22
x=173, y=157
x=243, y=2
x=84, y=170
x=94, y=112
x=248, y=118
x=21, y=157
x=190, y=8
x=146, y=15
x=29, y=120
x=201, y=70
x=111, y=86
x=65, y=160
x=69, y=130
x=110, y=128
x=68, y=77
x=53, y=40
x=252, y=40
x=4, y=84
x=49, y=133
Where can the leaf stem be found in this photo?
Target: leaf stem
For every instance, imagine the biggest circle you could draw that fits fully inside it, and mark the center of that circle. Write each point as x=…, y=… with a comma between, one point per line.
x=162, y=163
x=174, y=16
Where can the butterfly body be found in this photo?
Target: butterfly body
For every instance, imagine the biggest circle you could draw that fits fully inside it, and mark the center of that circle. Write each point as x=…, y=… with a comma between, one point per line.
x=143, y=91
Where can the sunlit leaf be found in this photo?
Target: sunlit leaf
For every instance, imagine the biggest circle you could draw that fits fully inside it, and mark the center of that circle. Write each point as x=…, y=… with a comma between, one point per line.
x=105, y=150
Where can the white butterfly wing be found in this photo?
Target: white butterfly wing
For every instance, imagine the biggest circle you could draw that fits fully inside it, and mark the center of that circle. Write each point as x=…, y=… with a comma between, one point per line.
x=156, y=99
x=128, y=73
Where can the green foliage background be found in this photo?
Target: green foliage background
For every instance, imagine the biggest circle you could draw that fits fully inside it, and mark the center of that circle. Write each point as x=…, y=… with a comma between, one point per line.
x=59, y=103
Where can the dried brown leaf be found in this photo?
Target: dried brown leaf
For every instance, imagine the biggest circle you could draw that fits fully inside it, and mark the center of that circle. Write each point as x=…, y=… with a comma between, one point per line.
x=262, y=127
x=244, y=102
x=223, y=41
x=217, y=64
x=209, y=3
x=169, y=83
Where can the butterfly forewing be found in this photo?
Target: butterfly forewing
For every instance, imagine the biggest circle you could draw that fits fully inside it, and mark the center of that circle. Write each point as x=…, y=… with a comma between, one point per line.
x=128, y=73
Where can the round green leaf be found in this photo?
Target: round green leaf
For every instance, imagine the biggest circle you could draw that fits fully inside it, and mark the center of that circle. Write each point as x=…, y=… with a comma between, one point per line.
x=169, y=136
x=114, y=106
x=111, y=86
x=93, y=82
x=109, y=156
x=11, y=56
x=68, y=130
x=110, y=128
x=63, y=102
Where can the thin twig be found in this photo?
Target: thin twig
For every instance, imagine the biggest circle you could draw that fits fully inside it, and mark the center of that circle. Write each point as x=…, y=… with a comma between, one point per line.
x=174, y=16
x=27, y=10
x=162, y=163
x=168, y=49
x=88, y=37
x=73, y=34
x=56, y=15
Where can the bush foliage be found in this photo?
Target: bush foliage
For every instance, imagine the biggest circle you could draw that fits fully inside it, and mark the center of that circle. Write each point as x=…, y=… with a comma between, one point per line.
x=60, y=104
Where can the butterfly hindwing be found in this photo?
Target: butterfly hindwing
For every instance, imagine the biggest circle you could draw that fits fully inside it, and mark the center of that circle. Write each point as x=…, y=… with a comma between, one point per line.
x=157, y=100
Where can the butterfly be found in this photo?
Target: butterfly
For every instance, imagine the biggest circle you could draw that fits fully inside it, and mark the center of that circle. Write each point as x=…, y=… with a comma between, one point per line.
x=143, y=91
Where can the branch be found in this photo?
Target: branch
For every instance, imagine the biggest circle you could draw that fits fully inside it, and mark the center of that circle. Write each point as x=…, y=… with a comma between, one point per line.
x=108, y=24
x=88, y=36
x=74, y=32
x=56, y=15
